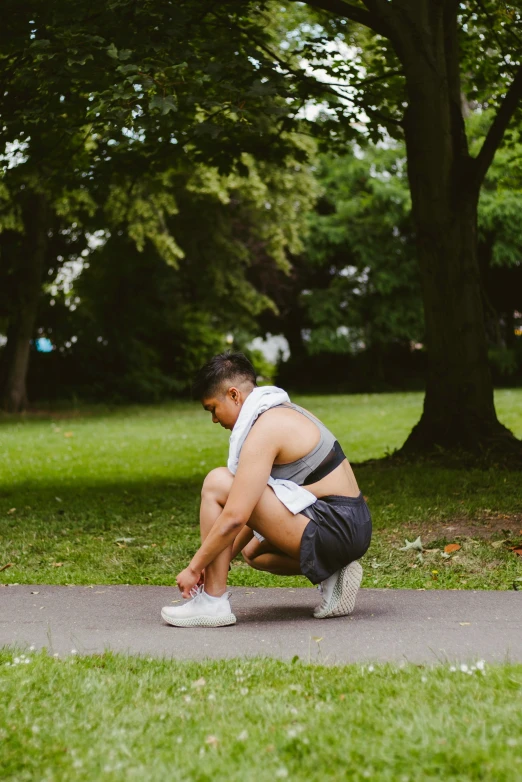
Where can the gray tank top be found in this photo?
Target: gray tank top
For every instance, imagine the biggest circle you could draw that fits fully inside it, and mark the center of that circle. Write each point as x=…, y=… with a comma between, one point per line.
x=299, y=470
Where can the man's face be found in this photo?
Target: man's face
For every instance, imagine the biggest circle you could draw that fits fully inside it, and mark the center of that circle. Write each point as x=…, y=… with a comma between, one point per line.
x=224, y=408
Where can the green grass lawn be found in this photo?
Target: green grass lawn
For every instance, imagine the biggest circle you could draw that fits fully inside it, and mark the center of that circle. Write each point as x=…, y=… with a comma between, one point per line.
x=112, y=718
x=111, y=496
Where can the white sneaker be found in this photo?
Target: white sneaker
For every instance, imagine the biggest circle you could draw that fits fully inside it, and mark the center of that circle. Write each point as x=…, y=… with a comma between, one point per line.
x=201, y=611
x=339, y=592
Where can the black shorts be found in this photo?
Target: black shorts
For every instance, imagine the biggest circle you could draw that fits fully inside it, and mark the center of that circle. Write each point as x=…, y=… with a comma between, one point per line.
x=339, y=532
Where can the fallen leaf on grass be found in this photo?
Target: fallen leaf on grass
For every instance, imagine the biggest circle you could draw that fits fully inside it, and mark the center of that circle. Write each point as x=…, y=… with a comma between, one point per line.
x=57, y=564
x=451, y=547
x=212, y=740
x=4, y=567
x=68, y=434
x=12, y=510
x=415, y=544
x=199, y=682
x=498, y=543
x=517, y=551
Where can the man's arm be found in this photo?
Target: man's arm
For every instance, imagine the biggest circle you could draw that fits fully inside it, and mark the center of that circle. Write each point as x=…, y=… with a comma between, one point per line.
x=255, y=464
x=244, y=537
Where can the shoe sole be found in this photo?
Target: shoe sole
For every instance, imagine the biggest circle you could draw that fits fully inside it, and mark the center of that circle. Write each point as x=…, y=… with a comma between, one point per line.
x=342, y=601
x=200, y=621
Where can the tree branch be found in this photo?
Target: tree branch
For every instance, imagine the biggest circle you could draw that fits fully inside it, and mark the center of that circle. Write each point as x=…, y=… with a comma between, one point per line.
x=382, y=77
x=499, y=126
x=349, y=11
x=320, y=86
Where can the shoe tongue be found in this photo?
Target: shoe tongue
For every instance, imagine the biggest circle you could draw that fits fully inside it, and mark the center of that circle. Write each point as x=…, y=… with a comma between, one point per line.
x=329, y=585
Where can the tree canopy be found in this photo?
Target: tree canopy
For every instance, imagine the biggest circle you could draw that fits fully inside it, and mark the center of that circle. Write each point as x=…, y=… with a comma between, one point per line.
x=106, y=106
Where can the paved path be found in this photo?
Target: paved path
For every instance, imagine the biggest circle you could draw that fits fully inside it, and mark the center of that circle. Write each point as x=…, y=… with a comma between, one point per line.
x=387, y=625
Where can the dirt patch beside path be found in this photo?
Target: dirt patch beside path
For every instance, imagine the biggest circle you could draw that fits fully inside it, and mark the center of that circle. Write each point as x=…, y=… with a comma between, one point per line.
x=494, y=526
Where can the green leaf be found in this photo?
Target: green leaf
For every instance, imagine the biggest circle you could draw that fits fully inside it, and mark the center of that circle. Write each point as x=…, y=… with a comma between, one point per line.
x=112, y=51
x=169, y=104
x=164, y=104
x=126, y=69
x=80, y=59
x=41, y=43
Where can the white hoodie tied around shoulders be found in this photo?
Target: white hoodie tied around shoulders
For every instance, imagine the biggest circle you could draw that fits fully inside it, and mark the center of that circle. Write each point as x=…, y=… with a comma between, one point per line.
x=294, y=497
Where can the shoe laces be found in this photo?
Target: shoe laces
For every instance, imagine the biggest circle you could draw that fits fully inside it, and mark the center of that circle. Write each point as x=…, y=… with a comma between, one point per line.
x=196, y=592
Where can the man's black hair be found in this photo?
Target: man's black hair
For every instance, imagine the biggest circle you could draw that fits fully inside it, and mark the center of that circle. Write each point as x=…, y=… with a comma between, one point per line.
x=220, y=369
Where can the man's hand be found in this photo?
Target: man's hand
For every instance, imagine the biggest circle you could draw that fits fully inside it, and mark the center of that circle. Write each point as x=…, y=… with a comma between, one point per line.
x=187, y=580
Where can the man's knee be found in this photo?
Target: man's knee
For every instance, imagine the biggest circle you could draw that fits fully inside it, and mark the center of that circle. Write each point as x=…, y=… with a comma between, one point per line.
x=252, y=561
x=218, y=483
x=251, y=552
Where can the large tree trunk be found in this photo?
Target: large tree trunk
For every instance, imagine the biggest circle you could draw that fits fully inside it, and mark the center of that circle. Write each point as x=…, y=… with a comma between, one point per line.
x=458, y=406
x=458, y=410
x=27, y=289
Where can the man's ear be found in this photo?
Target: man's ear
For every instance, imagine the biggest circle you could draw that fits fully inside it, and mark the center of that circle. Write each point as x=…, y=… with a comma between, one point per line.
x=234, y=394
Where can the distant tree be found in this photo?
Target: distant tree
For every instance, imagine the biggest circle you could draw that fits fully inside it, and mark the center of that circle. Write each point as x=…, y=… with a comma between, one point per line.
x=171, y=279
x=363, y=233
x=500, y=252
x=356, y=285
x=95, y=90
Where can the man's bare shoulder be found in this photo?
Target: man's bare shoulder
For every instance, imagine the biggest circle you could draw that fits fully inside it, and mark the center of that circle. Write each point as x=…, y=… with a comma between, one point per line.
x=271, y=424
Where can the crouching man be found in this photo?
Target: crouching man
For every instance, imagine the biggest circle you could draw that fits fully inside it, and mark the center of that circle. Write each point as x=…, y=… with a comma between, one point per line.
x=288, y=500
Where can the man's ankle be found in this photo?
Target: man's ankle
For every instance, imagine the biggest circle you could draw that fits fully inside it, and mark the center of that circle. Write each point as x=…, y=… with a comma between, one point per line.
x=216, y=594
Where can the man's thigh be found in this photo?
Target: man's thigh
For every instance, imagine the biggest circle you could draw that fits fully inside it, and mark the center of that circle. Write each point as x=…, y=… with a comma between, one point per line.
x=281, y=528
